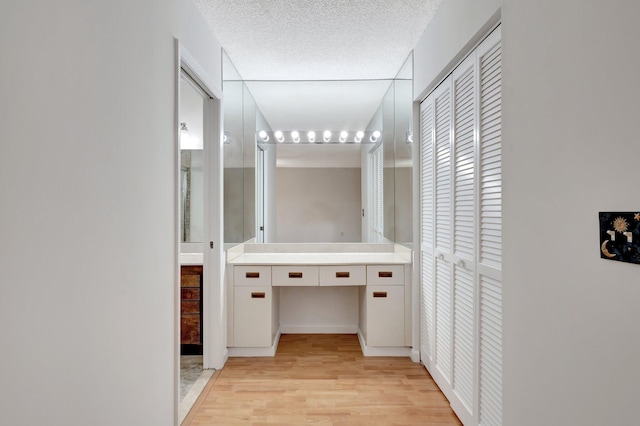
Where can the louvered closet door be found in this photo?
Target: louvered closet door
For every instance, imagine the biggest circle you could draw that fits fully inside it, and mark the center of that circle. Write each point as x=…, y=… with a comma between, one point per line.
x=442, y=251
x=427, y=232
x=490, y=233
x=461, y=240
x=464, y=126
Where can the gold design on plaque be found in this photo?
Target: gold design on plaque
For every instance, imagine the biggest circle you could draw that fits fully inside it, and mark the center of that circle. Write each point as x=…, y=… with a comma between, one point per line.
x=620, y=224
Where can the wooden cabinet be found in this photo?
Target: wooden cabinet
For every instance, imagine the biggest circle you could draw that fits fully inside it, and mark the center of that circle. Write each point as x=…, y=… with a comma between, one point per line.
x=191, y=310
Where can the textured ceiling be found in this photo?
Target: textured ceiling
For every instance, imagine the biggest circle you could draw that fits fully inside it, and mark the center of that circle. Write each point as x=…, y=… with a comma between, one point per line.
x=318, y=39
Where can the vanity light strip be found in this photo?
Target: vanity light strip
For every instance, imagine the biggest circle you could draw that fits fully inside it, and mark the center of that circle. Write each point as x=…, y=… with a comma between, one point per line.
x=320, y=137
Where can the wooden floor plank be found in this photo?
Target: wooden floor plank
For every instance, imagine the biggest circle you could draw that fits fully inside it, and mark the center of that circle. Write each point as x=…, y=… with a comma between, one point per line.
x=321, y=380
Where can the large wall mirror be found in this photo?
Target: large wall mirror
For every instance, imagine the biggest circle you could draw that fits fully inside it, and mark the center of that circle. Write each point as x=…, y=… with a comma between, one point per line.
x=286, y=181
x=191, y=163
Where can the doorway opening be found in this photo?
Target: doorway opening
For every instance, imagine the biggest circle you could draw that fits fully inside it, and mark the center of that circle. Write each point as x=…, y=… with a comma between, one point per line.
x=200, y=342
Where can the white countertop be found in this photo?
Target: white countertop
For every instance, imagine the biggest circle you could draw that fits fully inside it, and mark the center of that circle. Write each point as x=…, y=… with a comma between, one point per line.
x=191, y=258
x=321, y=258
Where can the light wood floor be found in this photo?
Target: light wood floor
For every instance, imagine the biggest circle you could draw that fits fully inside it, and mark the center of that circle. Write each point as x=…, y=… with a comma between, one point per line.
x=321, y=379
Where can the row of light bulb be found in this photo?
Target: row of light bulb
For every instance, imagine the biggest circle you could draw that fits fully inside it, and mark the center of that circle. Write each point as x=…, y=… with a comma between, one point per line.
x=326, y=136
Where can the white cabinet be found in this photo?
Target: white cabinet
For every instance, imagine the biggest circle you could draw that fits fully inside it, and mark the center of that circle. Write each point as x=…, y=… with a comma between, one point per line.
x=252, y=316
x=385, y=315
x=254, y=307
x=384, y=306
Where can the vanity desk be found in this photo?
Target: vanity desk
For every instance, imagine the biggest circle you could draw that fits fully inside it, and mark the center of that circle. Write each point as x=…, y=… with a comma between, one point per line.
x=379, y=275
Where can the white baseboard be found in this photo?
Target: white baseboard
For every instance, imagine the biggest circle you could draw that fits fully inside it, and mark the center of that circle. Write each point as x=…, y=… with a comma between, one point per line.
x=397, y=351
x=318, y=329
x=415, y=355
x=258, y=352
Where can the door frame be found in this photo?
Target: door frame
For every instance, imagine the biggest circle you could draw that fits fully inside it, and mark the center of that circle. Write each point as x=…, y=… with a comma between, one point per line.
x=213, y=298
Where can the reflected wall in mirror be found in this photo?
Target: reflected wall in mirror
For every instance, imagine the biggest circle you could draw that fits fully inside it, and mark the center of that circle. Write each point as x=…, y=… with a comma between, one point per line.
x=191, y=161
x=394, y=207
x=241, y=119
x=403, y=168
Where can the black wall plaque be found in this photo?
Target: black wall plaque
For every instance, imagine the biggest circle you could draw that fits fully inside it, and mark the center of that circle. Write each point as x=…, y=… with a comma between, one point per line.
x=620, y=236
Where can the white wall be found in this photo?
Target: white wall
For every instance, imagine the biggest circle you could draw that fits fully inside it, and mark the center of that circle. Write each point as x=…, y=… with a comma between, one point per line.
x=318, y=205
x=571, y=149
x=87, y=218
x=319, y=309
x=448, y=38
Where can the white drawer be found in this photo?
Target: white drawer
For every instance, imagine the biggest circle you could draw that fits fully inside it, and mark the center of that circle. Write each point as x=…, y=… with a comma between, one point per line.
x=332, y=275
x=252, y=275
x=292, y=275
x=385, y=274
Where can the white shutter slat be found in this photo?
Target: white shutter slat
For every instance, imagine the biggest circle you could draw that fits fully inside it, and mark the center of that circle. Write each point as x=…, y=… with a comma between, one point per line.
x=443, y=168
x=464, y=125
x=443, y=318
x=463, y=350
x=490, y=351
x=490, y=233
x=428, y=303
x=426, y=185
x=490, y=156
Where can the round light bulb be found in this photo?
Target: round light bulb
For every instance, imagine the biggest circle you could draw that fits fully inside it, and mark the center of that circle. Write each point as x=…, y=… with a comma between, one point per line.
x=311, y=135
x=279, y=136
x=326, y=136
x=263, y=135
x=359, y=136
x=343, y=136
x=375, y=136
x=295, y=136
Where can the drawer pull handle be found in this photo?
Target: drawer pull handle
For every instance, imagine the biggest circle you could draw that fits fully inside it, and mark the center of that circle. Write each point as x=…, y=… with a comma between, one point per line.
x=257, y=295
x=385, y=274
x=342, y=275
x=379, y=294
x=252, y=274
x=295, y=274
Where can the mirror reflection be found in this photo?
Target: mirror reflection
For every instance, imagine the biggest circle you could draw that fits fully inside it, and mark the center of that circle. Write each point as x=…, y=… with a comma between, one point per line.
x=287, y=181
x=191, y=161
x=242, y=118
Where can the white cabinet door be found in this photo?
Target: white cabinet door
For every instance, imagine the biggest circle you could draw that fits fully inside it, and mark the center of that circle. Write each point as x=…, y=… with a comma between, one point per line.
x=252, y=316
x=385, y=315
